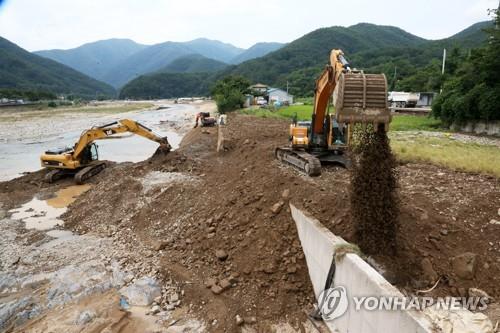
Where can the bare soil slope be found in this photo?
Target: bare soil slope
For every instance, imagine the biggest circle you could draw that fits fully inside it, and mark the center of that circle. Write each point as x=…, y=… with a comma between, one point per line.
x=223, y=217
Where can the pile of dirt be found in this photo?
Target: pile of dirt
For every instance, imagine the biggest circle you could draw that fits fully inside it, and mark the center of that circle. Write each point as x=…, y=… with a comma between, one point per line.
x=373, y=193
x=221, y=225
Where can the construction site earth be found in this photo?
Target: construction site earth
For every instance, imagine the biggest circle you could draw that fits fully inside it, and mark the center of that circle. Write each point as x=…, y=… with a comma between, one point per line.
x=202, y=240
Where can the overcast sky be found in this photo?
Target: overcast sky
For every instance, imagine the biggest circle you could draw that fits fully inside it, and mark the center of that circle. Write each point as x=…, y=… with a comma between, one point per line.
x=47, y=24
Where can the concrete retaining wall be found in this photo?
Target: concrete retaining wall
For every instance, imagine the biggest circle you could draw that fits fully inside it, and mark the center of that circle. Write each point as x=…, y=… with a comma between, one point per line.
x=479, y=127
x=361, y=280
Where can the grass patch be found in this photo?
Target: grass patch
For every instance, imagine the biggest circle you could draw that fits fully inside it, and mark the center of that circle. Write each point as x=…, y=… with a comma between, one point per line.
x=304, y=112
x=415, y=123
x=305, y=100
x=263, y=113
x=399, y=122
x=448, y=153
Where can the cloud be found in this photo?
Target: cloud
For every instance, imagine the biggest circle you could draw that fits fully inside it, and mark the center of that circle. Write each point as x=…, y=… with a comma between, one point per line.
x=35, y=24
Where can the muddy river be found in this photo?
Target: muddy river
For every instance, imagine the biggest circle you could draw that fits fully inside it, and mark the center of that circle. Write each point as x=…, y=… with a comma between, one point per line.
x=24, y=135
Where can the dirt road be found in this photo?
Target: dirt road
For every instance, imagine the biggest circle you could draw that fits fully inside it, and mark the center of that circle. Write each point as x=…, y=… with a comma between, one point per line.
x=215, y=228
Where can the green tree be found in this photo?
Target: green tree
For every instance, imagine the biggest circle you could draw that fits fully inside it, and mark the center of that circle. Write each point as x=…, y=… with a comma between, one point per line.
x=229, y=93
x=472, y=89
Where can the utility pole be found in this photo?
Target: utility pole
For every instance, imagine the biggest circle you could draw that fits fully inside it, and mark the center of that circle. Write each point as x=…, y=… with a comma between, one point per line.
x=444, y=61
x=287, y=86
x=394, y=78
x=442, y=69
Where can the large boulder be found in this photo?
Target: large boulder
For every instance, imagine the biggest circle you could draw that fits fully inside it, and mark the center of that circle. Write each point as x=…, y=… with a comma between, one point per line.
x=142, y=292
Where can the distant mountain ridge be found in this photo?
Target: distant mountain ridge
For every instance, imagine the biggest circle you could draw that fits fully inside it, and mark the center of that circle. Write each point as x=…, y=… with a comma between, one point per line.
x=193, y=63
x=20, y=69
x=117, y=61
x=367, y=46
x=373, y=48
x=95, y=59
x=256, y=51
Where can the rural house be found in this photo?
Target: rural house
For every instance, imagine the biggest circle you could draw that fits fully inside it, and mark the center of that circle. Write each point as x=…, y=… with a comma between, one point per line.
x=259, y=87
x=278, y=95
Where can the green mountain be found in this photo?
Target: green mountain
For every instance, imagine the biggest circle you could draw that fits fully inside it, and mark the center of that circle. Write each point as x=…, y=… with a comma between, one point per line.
x=145, y=61
x=20, y=69
x=95, y=59
x=158, y=56
x=473, y=36
x=193, y=63
x=256, y=51
x=117, y=61
x=370, y=47
x=409, y=62
x=167, y=85
x=306, y=56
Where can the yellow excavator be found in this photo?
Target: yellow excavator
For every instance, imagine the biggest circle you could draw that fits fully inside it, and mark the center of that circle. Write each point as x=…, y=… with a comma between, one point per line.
x=357, y=98
x=82, y=159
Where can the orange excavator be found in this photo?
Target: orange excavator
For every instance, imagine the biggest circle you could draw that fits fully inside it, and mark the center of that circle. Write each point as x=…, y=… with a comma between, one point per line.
x=357, y=98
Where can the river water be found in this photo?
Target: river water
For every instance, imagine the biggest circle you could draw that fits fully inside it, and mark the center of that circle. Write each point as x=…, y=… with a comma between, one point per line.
x=24, y=135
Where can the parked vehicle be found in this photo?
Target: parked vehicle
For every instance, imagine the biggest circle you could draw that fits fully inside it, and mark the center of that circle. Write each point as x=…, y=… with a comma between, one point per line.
x=401, y=99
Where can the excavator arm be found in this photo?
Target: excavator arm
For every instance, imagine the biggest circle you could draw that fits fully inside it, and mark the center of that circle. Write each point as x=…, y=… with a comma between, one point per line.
x=117, y=127
x=325, y=85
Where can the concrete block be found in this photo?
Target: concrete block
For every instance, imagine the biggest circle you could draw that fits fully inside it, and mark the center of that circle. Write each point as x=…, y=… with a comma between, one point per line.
x=359, y=279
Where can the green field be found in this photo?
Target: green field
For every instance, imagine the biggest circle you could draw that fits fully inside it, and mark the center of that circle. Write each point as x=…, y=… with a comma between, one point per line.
x=399, y=122
x=411, y=147
x=446, y=152
x=415, y=123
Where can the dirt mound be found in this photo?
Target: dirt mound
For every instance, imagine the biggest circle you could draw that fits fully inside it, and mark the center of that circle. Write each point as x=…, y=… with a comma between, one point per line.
x=374, y=201
x=221, y=220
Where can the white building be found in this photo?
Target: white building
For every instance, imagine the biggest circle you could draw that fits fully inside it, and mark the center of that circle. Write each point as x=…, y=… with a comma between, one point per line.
x=278, y=95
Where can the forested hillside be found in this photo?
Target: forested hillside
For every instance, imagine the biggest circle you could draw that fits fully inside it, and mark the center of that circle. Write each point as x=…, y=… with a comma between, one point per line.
x=409, y=62
x=369, y=47
x=167, y=85
x=193, y=63
x=471, y=89
x=22, y=70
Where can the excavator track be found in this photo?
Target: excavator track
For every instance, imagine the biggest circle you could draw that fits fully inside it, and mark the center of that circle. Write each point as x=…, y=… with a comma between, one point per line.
x=54, y=175
x=300, y=160
x=88, y=172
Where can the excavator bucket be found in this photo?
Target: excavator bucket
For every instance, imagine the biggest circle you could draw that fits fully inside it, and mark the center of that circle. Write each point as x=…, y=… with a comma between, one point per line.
x=362, y=98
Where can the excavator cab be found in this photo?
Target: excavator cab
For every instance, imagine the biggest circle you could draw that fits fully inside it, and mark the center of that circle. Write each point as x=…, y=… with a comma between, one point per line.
x=90, y=154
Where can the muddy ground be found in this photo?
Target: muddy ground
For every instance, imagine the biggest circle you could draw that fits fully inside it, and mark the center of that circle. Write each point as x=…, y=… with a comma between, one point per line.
x=217, y=225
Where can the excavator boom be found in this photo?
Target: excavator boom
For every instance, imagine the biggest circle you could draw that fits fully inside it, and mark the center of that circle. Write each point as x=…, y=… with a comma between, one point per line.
x=117, y=127
x=82, y=159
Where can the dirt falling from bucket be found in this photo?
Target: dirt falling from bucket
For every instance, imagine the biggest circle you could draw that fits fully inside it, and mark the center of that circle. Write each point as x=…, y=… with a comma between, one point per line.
x=373, y=193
